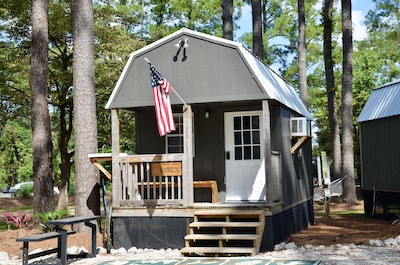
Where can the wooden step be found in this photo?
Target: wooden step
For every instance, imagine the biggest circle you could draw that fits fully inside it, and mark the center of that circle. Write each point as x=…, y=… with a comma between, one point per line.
x=228, y=212
x=226, y=237
x=225, y=232
x=224, y=224
x=218, y=250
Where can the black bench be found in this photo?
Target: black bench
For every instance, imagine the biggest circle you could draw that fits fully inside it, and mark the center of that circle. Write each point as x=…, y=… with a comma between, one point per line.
x=41, y=237
x=61, y=235
x=60, y=223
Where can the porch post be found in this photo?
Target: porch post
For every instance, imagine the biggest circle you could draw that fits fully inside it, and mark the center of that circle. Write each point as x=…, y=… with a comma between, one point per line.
x=187, y=163
x=267, y=148
x=116, y=171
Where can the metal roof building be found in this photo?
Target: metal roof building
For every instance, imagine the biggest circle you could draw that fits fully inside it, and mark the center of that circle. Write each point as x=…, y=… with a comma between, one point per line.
x=239, y=126
x=379, y=146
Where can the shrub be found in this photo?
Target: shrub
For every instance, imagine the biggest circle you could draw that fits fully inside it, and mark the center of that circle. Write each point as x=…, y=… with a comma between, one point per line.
x=19, y=221
x=25, y=191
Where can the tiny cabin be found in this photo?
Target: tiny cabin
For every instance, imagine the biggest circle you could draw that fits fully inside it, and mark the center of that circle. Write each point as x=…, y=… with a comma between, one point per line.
x=241, y=148
x=379, y=127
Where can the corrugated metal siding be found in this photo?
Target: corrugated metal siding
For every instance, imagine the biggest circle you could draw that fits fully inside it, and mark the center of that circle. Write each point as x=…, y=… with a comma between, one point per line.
x=380, y=154
x=383, y=102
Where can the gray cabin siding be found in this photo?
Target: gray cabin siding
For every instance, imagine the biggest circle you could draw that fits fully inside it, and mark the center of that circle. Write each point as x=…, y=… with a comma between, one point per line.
x=209, y=148
x=296, y=169
x=148, y=141
x=380, y=150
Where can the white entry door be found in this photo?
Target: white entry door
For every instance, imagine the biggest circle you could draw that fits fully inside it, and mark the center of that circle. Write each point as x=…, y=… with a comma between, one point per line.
x=244, y=157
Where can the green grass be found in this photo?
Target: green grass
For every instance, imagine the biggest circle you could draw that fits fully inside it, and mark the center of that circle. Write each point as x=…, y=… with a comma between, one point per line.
x=15, y=209
x=347, y=212
x=3, y=226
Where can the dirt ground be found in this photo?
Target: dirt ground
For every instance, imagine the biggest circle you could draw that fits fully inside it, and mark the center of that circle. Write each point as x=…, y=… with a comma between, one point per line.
x=8, y=237
x=338, y=228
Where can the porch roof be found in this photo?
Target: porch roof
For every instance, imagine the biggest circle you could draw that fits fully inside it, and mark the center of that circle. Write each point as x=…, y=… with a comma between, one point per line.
x=214, y=70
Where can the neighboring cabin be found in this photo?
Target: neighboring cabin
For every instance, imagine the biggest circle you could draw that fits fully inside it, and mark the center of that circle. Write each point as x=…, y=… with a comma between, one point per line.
x=380, y=148
x=243, y=133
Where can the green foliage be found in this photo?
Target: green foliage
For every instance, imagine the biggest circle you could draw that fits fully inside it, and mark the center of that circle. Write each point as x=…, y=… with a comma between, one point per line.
x=15, y=153
x=72, y=189
x=20, y=220
x=25, y=191
x=49, y=216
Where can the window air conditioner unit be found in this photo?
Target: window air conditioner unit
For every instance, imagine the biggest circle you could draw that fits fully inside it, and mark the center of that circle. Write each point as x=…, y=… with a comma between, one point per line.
x=299, y=126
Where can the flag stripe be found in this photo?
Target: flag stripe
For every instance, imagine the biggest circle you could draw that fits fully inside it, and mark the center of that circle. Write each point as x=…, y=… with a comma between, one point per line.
x=161, y=90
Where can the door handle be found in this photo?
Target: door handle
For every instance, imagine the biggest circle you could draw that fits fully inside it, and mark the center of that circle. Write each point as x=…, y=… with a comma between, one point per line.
x=227, y=155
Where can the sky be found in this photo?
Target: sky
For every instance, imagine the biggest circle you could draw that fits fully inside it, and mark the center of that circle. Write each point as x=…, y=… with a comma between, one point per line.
x=360, y=10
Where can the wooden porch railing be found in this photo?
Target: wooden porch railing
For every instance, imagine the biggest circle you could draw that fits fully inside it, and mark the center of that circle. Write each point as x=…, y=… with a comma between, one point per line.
x=152, y=179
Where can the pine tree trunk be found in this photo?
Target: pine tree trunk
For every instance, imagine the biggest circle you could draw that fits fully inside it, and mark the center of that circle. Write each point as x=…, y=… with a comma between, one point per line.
x=302, y=53
x=258, y=48
x=330, y=91
x=349, y=187
x=227, y=19
x=42, y=146
x=87, y=176
x=65, y=155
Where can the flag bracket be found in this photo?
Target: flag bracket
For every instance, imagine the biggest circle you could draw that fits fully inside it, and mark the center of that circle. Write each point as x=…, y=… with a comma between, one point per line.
x=176, y=93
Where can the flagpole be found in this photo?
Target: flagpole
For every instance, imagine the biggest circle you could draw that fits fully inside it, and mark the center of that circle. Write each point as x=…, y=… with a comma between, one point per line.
x=176, y=93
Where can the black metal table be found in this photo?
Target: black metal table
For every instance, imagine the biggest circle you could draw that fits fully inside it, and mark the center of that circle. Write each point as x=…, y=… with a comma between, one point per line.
x=62, y=253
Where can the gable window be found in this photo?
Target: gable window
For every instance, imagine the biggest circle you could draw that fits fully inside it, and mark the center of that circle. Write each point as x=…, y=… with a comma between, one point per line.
x=174, y=140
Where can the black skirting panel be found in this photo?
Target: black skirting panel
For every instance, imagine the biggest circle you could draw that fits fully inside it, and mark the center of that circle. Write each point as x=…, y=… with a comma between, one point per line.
x=169, y=232
x=281, y=225
x=149, y=232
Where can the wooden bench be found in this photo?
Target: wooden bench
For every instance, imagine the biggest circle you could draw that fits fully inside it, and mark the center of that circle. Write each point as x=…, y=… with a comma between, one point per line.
x=211, y=184
x=41, y=237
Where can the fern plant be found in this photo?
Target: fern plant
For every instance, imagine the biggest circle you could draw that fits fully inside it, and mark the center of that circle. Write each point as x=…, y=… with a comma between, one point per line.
x=49, y=216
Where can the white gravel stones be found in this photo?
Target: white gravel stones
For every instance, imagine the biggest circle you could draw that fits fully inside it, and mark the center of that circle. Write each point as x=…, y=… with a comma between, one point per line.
x=379, y=252
x=3, y=256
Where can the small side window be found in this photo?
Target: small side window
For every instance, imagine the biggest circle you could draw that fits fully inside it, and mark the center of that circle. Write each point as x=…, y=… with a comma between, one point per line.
x=174, y=140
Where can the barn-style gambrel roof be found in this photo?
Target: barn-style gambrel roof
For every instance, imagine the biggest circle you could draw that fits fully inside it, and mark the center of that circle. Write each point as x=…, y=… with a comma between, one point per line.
x=210, y=69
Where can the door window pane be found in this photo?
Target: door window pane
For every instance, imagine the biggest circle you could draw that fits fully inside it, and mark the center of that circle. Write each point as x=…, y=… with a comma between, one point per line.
x=247, y=152
x=246, y=122
x=237, y=123
x=246, y=137
x=256, y=137
x=238, y=153
x=238, y=138
x=255, y=122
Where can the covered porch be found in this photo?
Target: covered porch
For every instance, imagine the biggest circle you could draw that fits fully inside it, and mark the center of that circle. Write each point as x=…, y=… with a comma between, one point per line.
x=165, y=179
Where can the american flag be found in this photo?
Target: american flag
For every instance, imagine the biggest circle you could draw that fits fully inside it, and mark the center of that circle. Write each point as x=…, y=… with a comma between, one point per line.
x=161, y=90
